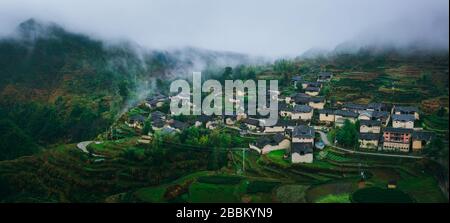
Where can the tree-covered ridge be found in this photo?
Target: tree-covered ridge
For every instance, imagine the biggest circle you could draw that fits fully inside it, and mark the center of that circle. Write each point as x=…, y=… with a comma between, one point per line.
x=58, y=86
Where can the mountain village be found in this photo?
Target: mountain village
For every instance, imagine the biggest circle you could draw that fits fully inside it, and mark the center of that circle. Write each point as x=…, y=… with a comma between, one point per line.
x=304, y=120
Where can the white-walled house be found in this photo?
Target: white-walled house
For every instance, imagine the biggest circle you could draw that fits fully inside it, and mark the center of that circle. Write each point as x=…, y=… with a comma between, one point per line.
x=284, y=109
x=420, y=139
x=302, y=153
x=155, y=101
x=302, y=112
x=368, y=140
x=303, y=133
x=312, y=91
x=252, y=124
x=403, y=121
x=326, y=116
x=136, y=121
x=268, y=144
x=406, y=110
x=280, y=126
x=324, y=77
x=342, y=115
x=365, y=115
x=369, y=126
x=317, y=102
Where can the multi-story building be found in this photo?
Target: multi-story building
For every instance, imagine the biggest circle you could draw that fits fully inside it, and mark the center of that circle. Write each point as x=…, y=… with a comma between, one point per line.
x=302, y=144
x=397, y=139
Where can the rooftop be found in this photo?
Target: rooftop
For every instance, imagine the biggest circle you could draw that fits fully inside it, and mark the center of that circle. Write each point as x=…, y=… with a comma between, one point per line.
x=370, y=123
x=406, y=109
x=397, y=130
x=138, y=118
x=272, y=140
x=376, y=106
x=403, y=118
x=303, y=131
x=380, y=114
x=353, y=106
x=369, y=136
x=422, y=135
x=346, y=113
x=251, y=121
x=325, y=75
x=313, y=89
x=297, y=78
x=302, y=108
x=326, y=111
x=179, y=125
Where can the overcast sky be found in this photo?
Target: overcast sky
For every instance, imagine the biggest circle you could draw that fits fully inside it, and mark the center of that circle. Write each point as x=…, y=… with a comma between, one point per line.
x=259, y=27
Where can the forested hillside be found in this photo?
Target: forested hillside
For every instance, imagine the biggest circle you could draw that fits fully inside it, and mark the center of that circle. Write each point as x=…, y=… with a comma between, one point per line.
x=57, y=86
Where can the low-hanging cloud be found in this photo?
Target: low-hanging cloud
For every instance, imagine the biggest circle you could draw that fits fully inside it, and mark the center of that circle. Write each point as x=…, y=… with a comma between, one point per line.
x=258, y=27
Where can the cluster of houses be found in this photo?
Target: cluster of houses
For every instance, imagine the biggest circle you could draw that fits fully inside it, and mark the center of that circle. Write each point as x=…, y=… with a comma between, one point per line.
x=381, y=127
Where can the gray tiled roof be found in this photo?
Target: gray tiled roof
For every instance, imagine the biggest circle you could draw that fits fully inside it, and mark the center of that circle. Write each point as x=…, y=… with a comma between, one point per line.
x=353, y=106
x=302, y=109
x=313, y=89
x=398, y=130
x=303, y=131
x=271, y=140
x=138, y=118
x=422, y=135
x=380, y=114
x=403, y=118
x=251, y=121
x=325, y=75
x=179, y=125
x=346, y=113
x=313, y=84
x=326, y=111
x=406, y=109
x=369, y=136
x=369, y=123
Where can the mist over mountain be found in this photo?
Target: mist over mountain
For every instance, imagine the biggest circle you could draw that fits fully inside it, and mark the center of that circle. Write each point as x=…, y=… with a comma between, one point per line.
x=60, y=86
x=272, y=29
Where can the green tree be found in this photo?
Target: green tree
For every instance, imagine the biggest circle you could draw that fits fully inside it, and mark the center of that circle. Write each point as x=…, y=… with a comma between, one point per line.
x=147, y=127
x=347, y=135
x=325, y=91
x=123, y=89
x=227, y=74
x=436, y=148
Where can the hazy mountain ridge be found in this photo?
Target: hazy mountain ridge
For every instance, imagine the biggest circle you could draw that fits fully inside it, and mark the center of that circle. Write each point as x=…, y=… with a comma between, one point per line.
x=57, y=85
